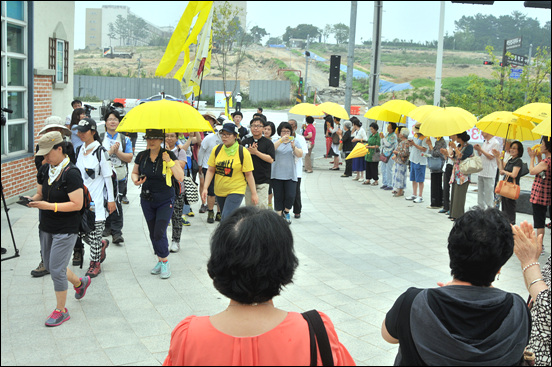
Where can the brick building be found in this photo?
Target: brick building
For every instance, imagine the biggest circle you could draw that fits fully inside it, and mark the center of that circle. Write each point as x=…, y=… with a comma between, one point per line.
x=37, y=62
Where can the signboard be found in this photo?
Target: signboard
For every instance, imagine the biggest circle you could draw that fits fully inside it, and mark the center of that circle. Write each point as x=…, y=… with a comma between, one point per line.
x=515, y=73
x=513, y=43
x=219, y=98
x=518, y=60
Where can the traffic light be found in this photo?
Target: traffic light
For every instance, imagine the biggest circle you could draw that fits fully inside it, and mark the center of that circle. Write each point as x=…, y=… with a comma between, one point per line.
x=501, y=64
x=488, y=63
x=300, y=82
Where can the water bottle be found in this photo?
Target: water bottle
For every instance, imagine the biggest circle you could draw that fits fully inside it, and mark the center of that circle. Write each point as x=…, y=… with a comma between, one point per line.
x=92, y=206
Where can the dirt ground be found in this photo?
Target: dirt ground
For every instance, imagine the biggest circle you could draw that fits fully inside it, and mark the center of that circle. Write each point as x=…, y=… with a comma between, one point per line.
x=260, y=67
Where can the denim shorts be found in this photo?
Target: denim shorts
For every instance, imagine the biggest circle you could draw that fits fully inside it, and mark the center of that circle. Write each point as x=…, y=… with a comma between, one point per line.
x=417, y=172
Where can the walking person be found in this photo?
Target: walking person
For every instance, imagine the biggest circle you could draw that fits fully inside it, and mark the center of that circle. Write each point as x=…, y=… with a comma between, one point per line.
x=388, y=145
x=207, y=145
x=310, y=134
x=95, y=167
x=541, y=191
x=77, y=115
x=119, y=148
x=359, y=136
x=437, y=173
x=284, y=171
x=486, y=178
x=60, y=202
x=208, y=116
x=154, y=169
x=511, y=171
x=237, y=117
x=418, y=163
x=262, y=155
x=300, y=143
x=228, y=163
x=177, y=218
x=372, y=157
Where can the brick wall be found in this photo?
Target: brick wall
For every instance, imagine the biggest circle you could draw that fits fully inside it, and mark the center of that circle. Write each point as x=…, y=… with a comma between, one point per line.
x=19, y=176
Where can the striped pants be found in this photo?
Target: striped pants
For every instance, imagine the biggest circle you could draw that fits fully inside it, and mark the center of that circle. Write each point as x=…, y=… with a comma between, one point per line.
x=94, y=239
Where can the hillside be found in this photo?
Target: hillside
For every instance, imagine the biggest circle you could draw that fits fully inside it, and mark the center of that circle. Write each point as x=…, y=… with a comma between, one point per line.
x=398, y=65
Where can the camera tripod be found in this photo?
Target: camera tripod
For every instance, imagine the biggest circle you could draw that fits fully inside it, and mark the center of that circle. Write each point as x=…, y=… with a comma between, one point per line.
x=9, y=224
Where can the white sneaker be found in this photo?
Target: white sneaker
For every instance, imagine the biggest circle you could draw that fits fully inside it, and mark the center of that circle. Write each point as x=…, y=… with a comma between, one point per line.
x=419, y=200
x=175, y=247
x=413, y=197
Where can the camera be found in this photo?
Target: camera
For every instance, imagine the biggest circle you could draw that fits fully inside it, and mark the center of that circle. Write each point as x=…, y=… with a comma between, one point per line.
x=146, y=195
x=3, y=117
x=88, y=109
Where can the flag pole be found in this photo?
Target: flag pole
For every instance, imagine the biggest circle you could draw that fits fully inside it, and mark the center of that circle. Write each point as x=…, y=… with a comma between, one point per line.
x=199, y=96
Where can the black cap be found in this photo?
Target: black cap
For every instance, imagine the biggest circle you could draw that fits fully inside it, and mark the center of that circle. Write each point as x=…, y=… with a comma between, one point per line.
x=87, y=124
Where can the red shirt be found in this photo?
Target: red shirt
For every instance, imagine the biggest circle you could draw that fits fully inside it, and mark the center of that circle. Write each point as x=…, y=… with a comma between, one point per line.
x=195, y=341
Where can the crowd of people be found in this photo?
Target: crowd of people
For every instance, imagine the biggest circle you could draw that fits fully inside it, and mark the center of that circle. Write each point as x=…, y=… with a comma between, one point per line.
x=252, y=257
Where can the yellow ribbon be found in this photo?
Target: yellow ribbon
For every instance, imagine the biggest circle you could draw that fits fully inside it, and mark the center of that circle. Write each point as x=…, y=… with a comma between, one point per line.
x=168, y=172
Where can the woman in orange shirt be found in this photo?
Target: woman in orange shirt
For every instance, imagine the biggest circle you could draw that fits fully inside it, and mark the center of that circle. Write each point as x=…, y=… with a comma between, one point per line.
x=252, y=259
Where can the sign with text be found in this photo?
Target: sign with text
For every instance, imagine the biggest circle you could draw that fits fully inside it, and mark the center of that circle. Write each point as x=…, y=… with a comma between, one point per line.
x=515, y=73
x=513, y=43
x=220, y=100
x=518, y=60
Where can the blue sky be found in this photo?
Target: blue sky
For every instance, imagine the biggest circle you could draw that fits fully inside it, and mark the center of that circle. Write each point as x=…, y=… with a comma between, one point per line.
x=416, y=20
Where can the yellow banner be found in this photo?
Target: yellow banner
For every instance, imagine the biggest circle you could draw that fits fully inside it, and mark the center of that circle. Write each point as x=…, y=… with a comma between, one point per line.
x=180, y=40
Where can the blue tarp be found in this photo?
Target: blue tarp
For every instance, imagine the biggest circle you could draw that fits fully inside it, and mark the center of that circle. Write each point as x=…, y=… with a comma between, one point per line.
x=277, y=46
x=315, y=57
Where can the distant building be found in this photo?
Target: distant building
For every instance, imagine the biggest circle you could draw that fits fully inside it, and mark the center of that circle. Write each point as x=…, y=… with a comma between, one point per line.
x=97, y=33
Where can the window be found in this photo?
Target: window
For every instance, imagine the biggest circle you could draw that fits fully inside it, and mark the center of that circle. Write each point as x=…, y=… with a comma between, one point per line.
x=59, y=59
x=14, y=77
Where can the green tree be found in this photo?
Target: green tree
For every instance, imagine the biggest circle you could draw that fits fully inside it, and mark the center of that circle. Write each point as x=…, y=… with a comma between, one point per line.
x=111, y=34
x=137, y=28
x=231, y=40
x=341, y=33
x=301, y=32
x=257, y=34
x=326, y=32
x=274, y=41
x=121, y=29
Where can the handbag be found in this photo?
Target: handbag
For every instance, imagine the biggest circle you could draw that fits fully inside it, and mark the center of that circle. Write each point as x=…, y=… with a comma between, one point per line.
x=471, y=165
x=121, y=172
x=335, y=138
x=318, y=329
x=191, y=192
x=384, y=158
x=507, y=189
x=435, y=164
x=376, y=155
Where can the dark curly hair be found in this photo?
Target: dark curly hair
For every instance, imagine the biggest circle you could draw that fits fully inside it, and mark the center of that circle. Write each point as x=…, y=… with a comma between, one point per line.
x=252, y=256
x=464, y=136
x=284, y=125
x=374, y=126
x=479, y=244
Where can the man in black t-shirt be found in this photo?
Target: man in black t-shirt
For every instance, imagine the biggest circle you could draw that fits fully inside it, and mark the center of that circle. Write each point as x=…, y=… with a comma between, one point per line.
x=242, y=130
x=262, y=154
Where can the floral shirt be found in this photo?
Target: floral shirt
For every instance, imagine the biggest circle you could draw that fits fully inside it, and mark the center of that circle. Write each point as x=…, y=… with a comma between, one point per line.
x=539, y=342
x=388, y=144
x=404, y=152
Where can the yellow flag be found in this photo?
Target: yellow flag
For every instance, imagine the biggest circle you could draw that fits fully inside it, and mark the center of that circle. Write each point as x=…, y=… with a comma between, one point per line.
x=181, y=40
x=202, y=63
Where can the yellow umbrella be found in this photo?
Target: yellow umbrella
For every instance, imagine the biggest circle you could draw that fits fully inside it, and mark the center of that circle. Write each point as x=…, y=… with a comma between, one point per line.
x=380, y=113
x=508, y=126
x=420, y=112
x=447, y=121
x=543, y=128
x=335, y=110
x=170, y=116
x=400, y=106
x=306, y=109
x=535, y=112
x=358, y=151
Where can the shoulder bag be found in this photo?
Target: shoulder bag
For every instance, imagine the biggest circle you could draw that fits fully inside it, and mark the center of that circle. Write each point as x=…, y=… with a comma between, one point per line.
x=335, y=138
x=376, y=156
x=435, y=164
x=190, y=190
x=317, y=328
x=507, y=189
x=471, y=165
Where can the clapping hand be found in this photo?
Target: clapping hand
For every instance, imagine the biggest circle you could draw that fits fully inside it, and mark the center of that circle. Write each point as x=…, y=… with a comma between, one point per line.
x=527, y=246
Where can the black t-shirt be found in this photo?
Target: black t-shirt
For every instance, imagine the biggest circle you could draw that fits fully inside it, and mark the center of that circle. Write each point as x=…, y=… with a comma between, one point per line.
x=155, y=180
x=514, y=162
x=242, y=132
x=261, y=169
x=60, y=222
x=347, y=140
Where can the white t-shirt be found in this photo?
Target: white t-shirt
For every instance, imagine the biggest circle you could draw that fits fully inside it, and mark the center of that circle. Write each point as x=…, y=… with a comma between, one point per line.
x=238, y=98
x=207, y=145
x=360, y=134
x=102, y=179
x=489, y=165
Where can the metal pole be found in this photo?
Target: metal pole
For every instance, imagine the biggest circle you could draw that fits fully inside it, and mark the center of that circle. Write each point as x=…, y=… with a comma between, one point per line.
x=439, y=66
x=376, y=44
x=350, y=57
x=306, y=70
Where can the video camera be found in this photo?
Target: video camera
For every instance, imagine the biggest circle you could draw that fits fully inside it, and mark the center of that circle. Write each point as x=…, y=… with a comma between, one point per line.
x=3, y=117
x=88, y=109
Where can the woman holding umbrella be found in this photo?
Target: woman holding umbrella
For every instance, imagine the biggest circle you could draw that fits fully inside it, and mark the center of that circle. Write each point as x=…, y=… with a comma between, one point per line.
x=154, y=168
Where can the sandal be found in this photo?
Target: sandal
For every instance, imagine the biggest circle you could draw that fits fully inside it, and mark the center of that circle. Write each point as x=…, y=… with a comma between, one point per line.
x=396, y=195
x=393, y=192
x=375, y=184
x=367, y=182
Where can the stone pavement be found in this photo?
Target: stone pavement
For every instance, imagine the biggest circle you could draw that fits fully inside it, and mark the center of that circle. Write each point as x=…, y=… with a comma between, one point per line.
x=358, y=247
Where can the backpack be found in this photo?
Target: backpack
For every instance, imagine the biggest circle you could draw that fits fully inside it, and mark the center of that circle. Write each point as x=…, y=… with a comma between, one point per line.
x=88, y=217
x=240, y=149
x=101, y=149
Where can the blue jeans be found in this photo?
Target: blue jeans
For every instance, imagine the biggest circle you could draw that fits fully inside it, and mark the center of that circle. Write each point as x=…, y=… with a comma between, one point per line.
x=229, y=203
x=157, y=217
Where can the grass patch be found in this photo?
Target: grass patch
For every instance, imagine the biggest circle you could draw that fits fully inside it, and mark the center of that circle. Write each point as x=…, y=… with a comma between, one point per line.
x=422, y=82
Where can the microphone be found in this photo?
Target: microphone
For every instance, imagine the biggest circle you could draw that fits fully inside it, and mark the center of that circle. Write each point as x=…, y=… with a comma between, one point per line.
x=7, y=110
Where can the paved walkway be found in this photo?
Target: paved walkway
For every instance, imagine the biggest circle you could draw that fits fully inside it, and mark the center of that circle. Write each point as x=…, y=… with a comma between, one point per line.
x=358, y=247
